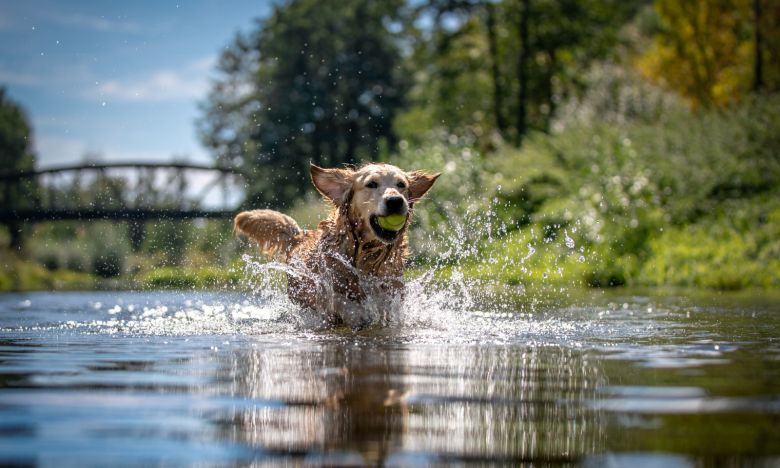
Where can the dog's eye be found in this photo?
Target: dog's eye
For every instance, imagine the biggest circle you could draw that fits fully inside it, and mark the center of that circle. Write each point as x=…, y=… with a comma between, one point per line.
x=372, y=184
x=400, y=184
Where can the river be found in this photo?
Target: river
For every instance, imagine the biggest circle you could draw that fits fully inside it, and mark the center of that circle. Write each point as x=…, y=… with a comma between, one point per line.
x=617, y=378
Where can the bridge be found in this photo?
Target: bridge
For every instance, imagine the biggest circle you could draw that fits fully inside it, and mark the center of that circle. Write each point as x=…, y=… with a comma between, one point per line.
x=119, y=191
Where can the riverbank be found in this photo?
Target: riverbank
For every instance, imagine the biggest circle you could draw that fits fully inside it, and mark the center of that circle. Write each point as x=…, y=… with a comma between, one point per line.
x=735, y=247
x=686, y=264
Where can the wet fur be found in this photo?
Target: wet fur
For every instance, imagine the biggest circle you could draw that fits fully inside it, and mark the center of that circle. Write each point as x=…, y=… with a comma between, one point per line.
x=325, y=261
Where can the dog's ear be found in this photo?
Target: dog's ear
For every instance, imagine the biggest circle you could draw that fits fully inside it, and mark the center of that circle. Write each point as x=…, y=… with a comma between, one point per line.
x=333, y=184
x=419, y=184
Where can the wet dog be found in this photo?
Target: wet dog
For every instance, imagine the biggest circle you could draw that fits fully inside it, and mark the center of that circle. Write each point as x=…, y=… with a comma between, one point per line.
x=364, y=240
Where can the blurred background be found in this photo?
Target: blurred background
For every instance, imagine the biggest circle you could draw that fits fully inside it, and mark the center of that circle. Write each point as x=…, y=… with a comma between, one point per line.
x=582, y=142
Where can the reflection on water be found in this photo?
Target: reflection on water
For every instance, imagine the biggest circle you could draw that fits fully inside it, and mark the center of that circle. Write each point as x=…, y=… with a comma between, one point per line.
x=92, y=378
x=461, y=402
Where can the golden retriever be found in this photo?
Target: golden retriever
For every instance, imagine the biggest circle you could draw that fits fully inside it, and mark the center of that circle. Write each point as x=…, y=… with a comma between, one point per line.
x=331, y=265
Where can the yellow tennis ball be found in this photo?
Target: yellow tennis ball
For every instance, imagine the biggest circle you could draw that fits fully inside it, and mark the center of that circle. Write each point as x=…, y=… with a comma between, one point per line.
x=392, y=222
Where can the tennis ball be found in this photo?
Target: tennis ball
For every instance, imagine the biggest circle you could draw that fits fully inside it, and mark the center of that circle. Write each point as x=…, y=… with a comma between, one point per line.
x=392, y=222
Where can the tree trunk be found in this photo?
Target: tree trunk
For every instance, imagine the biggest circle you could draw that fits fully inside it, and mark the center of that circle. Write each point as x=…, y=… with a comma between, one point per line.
x=498, y=92
x=522, y=72
x=758, y=66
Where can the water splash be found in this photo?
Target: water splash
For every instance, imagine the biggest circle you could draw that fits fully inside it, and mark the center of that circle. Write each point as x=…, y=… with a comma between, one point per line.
x=568, y=240
x=440, y=300
x=443, y=294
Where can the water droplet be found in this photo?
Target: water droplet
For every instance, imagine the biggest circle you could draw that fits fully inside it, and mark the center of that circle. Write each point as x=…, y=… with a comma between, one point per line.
x=568, y=240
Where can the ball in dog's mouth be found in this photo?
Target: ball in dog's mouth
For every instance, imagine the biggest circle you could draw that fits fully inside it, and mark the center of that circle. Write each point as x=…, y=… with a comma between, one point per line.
x=387, y=227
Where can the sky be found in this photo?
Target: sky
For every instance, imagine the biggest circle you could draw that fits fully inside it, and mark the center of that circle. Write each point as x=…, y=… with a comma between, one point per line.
x=120, y=80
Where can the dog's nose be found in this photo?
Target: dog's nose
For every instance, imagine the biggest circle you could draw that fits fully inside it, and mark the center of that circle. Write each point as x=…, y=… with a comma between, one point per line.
x=395, y=204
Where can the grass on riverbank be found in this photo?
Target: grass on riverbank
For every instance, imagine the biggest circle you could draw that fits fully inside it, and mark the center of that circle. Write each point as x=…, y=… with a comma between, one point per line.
x=21, y=275
x=736, y=247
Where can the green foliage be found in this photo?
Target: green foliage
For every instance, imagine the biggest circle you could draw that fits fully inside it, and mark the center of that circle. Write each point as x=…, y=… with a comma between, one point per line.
x=100, y=248
x=316, y=81
x=169, y=240
x=72, y=255
x=108, y=264
x=16, y=154
x=615, y=94
x=17, y=274
x=15, y=137
x=649, y=198
x=452, y=87
x=736, y=247
x=475, y=69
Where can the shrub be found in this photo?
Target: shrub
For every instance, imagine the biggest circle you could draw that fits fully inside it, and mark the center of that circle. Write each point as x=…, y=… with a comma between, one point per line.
x=108, y=264
x=671, y=200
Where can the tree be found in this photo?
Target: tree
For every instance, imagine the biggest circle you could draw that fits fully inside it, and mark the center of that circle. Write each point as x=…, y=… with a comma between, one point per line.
x=16, y=154
x=557, y=41
x=317, y=81
x=713, y=52
x=526, y=54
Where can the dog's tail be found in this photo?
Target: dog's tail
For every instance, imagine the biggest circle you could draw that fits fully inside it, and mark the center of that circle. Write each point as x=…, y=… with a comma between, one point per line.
x=273, y=231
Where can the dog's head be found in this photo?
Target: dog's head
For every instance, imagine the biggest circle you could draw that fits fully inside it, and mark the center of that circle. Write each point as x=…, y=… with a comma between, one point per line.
x=377, y=197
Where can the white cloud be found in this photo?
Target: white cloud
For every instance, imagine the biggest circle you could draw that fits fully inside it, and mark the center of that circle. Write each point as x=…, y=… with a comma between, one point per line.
x=190, y=82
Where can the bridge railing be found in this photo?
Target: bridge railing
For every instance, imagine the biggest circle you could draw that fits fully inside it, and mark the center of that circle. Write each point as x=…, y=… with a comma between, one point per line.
x=119, y=191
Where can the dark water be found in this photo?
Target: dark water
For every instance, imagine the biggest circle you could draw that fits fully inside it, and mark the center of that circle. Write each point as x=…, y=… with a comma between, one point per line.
x=233, y=379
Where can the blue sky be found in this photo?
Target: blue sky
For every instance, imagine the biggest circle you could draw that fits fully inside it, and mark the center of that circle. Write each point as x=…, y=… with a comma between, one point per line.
x=119, y=79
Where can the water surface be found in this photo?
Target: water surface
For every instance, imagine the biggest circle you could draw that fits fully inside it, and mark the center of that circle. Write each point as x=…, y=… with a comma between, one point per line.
x=614, y=379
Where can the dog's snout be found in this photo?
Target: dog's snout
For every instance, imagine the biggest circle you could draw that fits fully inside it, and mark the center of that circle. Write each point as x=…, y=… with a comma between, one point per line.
x=395, y=204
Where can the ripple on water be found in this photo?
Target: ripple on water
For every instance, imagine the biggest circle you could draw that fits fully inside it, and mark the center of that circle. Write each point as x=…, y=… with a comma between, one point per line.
x=455, y=311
